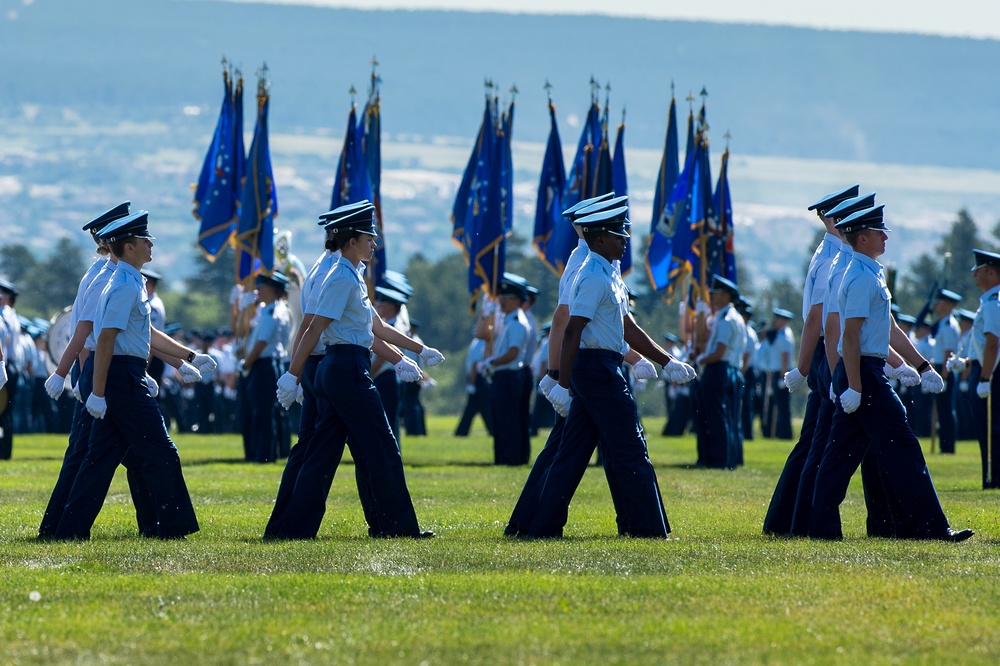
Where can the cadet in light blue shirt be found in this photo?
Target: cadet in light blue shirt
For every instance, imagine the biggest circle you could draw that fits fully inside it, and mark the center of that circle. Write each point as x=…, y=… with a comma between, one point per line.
x=511, y=427
x=869, y=413
x=127, y=419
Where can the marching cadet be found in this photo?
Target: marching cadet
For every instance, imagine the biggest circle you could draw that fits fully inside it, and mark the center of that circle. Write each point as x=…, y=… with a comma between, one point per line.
x=348, y=405
x=542, y=414
x=946, y=333
x=476, y=390
x=718, y=396
x=265, y=425
x=920, y=415
x=10, y=333
x=747, y=366
x=388, y=303
x=964, y=421
x=869, y=415
x=982, y=364
x=597, y=335
x=778, y=346
x=679, y=404
x=812, y=356
x=127, y=419
x=511, y=439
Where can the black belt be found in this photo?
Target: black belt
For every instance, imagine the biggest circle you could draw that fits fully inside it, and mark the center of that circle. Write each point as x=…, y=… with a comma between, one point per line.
x=126, y=360
x=346, y=350
x=602, y=353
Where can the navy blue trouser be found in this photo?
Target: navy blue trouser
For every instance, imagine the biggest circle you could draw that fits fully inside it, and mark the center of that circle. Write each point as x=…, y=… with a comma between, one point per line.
x=880, y=424
x=511, y=443
x=603, y=411
x=350, y=412
x=735, y=397
x=132, y=425
x=778, y=519
x=299, y=452
x=715, y=401
x=76, y=451
x=991, y=461
x=747, y=402
x=527, y=502
x=945, y=403
x=261, y=392
x=387, y=386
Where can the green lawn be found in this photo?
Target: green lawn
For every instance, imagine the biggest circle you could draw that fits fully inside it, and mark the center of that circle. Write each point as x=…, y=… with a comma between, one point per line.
x=719, y=592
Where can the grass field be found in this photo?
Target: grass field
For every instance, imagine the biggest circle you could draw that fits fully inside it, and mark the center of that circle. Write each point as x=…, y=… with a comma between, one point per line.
x=719, y=592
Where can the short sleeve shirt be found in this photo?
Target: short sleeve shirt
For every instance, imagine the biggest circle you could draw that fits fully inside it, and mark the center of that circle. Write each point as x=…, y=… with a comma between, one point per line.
x=987, y=321
x=817, y=277
x=513, y=333
x=864, y=294
x=599, y=295
x=343, y=297
x=124, y=305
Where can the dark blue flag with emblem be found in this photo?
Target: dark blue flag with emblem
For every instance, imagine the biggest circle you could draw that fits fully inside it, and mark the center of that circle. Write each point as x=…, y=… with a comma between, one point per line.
x=351, y=182
x=217, y=191
x=241, y=151
x=488, y=246
x=619, y=182
x=507, y=168
x=669, y=168
x=722, y=255
x=578, y=187
x=371, y=144
x=259, y=200
x=668, y=254
x=702, y=206
x=464, y=207
x=548, y=205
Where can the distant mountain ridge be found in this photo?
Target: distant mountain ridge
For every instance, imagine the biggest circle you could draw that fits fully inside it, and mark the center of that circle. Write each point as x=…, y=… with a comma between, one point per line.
x=793, y=92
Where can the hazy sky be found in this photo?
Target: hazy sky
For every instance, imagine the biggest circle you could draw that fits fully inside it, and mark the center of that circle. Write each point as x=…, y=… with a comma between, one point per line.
x=965, y=18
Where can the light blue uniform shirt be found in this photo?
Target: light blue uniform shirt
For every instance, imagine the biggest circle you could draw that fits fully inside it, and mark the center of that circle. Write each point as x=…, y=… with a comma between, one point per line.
x=837, y=269
x=343, y=297
x=573, y=264
x=946, y=339
x=599, y=295
x=987, y=321
x=81, y=290
x=92, y=300
x=729, y=330
x=274, y=323
x=124, y=305
x=513, y=333
x=312, y=284
x=818, y=275
x=865, y=294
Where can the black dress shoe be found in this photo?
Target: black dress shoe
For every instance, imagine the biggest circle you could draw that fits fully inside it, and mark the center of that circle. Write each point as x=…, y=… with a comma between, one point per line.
x=426, y=534
x=957, y=535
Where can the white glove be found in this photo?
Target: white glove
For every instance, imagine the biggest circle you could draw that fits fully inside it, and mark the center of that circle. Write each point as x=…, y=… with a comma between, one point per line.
x=483, y=368
x=288, y=383
x=299, y=394
x=955, y=363
x=931, y=380
x=242, y=368
x=76, y=391
x=428, y=383
x=702, y=308
x=560, y=399
x=963, y=386
x=154, y=388
x=407, y=370
x=229, y=393
x=54, y=385
x=97, y=407
x=679, y=373
x=189, y=374
x=983, y=389
x=248, y=299
x=850, y=400
x=794, y=379
x=471, y=389
x=779, y=382
x=907, y=376
x=833, y=395
x=545, y=385
x=431, y=356
x=644, y=369
x=206, y=364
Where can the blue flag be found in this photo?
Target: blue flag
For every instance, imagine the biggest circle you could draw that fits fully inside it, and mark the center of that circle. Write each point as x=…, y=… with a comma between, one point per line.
x=722, y=256
x=351, y=182
x=371, y=143
x=217, y=191
x=258, y=203
x=241, y=151
x=462, y=210
x=669, y=168
x=507, y=169
x=578, y=188
x=488, y=241
x=668, y=255
x=701, y=213
x=548, y=205
x=620, y=188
